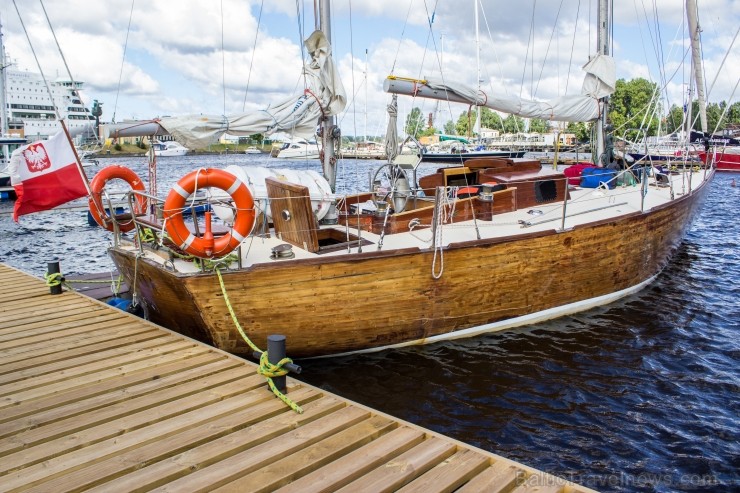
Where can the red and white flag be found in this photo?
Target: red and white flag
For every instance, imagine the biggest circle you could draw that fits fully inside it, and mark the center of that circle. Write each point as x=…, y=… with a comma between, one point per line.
x=45, y=174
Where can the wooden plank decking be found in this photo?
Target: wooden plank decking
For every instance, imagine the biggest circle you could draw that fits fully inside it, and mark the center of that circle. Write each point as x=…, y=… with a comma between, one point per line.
x=95, y=399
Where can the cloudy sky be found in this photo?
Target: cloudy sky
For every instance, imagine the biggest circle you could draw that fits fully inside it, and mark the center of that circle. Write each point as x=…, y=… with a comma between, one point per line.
x=198, y=56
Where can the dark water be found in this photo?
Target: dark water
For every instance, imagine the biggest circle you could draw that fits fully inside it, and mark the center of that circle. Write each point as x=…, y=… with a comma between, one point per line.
x=641, y=395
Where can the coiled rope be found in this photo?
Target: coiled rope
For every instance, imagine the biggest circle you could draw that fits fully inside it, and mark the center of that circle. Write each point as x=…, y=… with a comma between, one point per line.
x=266, y=369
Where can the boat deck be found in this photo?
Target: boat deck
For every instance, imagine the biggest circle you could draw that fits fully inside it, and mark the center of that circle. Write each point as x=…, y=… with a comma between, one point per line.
x=585, y=206
x=95, y=399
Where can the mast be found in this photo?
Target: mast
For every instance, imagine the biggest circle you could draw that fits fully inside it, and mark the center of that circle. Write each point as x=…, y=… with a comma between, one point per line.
x=477, y=60
x=365, y=95
x=329, y=131
x=695, y=32
x=603, y=48
x=3, y=82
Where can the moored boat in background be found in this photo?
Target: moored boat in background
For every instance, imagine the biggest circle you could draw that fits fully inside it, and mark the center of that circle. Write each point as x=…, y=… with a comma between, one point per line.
x=723, y=150
x=299, y=149
x=724, y=158
x=462, y=153
x=168, y=148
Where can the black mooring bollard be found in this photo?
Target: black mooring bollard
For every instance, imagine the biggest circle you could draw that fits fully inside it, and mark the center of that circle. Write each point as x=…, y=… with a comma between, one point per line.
x=51, y=269
x=276, y=352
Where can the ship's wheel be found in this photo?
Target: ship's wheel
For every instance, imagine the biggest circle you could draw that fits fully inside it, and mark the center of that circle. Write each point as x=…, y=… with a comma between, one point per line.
x=391, y=184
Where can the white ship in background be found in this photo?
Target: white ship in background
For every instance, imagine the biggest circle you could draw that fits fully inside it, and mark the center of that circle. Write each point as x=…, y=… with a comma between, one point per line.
x=31, y=111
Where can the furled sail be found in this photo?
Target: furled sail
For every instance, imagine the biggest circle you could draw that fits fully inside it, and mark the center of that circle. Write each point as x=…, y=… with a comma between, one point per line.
x=599, y=82
x=324, y=95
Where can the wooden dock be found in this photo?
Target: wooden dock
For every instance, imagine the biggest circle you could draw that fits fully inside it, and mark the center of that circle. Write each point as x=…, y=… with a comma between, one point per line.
x=95, y=399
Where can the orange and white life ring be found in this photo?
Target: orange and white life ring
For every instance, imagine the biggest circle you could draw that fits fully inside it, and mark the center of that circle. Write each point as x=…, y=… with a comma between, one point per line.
x=207, y=246
x=95, y=203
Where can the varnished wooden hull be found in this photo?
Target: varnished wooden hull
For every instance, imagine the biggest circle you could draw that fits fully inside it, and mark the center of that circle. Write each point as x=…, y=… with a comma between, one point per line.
x=339, y=304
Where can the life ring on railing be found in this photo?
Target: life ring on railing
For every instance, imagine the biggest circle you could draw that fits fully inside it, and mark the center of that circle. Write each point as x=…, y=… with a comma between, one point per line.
x=207, y=246
x=95, y=203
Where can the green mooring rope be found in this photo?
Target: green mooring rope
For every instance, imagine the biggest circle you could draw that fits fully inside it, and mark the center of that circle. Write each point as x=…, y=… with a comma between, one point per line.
x=53, y=279
x=266, y=369
x=56, y=279
x=146, y=235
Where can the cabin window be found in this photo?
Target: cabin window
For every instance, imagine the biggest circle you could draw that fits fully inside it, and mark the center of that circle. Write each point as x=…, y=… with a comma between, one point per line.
x=545, y=191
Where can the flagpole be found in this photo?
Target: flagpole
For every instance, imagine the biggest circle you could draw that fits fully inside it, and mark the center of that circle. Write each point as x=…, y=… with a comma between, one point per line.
x=56, y=109
x=80, y=168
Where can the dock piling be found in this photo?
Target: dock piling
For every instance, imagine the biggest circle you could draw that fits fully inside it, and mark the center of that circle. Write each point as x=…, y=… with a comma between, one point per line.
x=276, y=352
x=52, y=268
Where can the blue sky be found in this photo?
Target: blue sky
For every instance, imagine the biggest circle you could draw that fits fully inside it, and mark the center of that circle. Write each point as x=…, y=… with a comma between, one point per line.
x=174, y=63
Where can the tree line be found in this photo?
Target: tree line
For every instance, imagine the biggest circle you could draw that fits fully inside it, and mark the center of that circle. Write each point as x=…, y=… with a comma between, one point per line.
x=634, y=112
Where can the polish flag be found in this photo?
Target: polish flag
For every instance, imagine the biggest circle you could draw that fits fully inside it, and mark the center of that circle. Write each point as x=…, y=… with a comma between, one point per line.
x=45, y=174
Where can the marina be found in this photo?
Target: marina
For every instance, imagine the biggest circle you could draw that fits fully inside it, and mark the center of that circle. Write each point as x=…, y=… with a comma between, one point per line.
x=452, y=321
x=645, y=385
x=95, y=399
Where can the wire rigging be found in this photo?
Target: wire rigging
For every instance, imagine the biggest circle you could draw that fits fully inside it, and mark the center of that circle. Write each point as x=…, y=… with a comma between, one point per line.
x=547, y=51
x=223, y=58
x=572, y=47
x=254, y=52
x=38, y=64
x=64, y=59
x=529, y=45
x=123, y=59
x=400, y=39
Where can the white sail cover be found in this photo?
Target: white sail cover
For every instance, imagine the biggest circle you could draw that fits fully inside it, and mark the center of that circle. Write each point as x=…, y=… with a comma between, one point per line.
x=599, y=82
x=298, y=116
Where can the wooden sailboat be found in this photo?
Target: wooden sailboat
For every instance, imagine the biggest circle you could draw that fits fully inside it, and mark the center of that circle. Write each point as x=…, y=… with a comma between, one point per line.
x=493, y=244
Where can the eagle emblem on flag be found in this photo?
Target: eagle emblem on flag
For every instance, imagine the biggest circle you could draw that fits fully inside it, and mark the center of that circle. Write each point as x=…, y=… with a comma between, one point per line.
x=36, y=158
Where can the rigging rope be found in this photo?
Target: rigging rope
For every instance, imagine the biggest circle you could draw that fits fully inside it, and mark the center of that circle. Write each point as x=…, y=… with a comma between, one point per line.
x=64, y=59
x=223, y=62
x=254, y=51
x=547, y=51
x=572, y=47
x=38, y=64
x=123, y=59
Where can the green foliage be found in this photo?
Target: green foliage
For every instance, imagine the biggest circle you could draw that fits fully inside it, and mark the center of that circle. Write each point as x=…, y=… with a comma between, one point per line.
x=513, y=124
x=538, y=125
x=674, y=120
x=449, y=128
x=714, y=113
x=464, y=123
x=117, y=147
x=631, y=104
x=733, y=114
x=581, y=130
x=414, y=123
x=490, y=119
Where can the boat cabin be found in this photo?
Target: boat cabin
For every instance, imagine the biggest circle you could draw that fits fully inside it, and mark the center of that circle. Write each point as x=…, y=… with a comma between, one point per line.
x=481, y=189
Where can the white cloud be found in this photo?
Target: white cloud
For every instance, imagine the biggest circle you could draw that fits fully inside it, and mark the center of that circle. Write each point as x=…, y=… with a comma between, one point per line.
x=175, y=64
